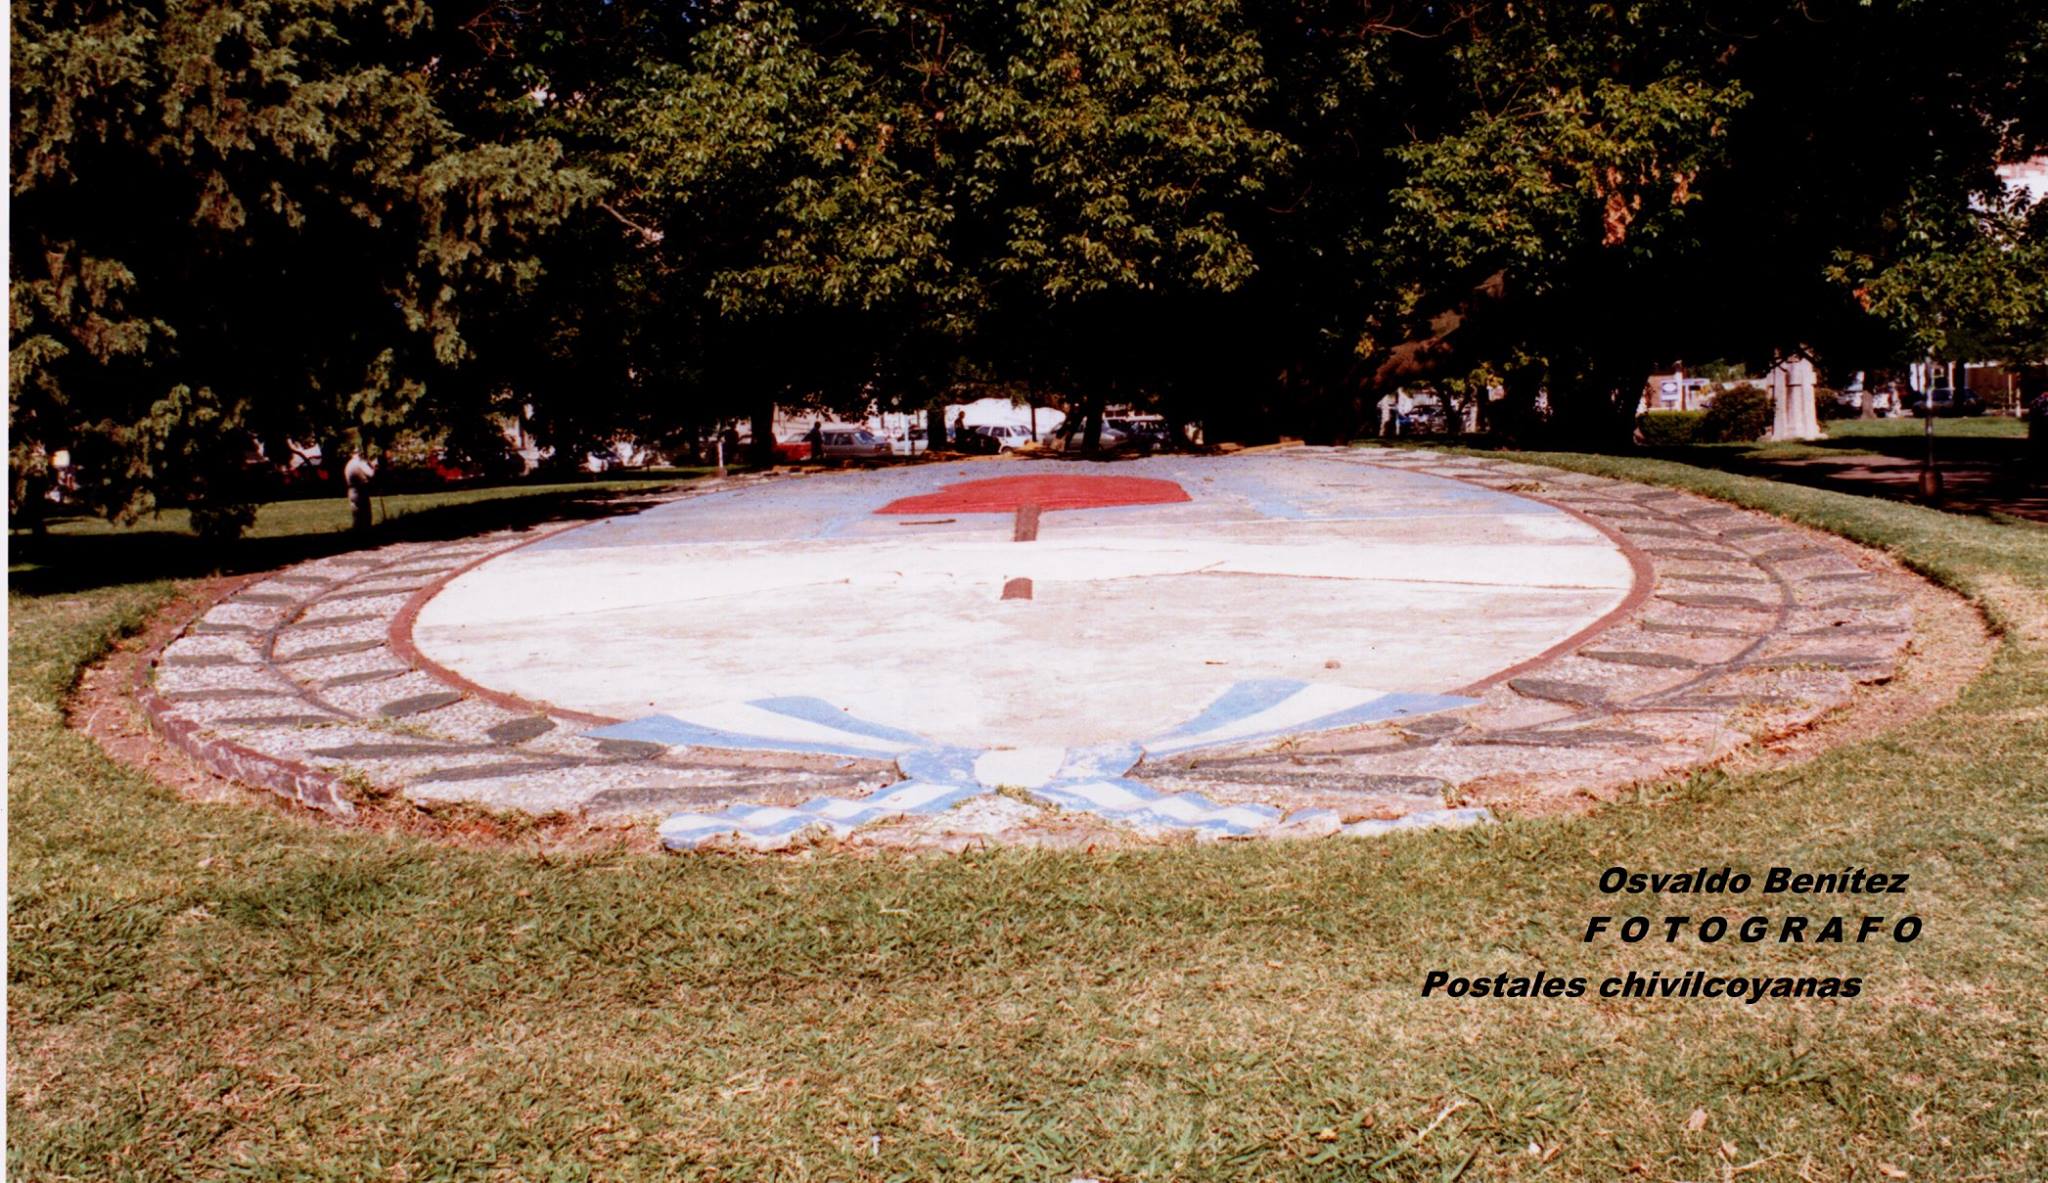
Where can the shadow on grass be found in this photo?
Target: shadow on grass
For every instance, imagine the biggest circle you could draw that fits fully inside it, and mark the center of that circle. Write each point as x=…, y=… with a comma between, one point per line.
x=1989, y=451
x=64, y=562
x=1983, y=474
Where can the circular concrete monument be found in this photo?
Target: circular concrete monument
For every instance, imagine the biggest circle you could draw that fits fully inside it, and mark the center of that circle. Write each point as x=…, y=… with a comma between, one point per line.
x=1304, y=641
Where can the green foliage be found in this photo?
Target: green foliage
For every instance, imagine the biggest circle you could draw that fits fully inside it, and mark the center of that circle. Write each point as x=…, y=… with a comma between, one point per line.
x=330, y=220
x=1669, y=429
x=1737, y=415
x=244, y=222
x=1958, y=283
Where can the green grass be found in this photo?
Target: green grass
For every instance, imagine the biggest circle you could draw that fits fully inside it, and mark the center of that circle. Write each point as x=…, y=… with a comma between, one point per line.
x=1998, y=427
x=1988, y=439
x=219, y=990
x=86, y=552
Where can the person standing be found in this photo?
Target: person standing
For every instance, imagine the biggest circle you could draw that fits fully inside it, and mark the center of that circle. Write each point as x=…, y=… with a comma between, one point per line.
x=357, y=475
x=817, y=441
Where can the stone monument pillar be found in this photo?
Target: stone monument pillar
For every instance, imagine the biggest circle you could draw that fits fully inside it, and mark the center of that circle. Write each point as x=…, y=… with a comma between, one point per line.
x=1791, y=385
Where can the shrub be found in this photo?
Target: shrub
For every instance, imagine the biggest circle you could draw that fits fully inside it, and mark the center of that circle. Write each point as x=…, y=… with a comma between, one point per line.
x=1669, y=429
x=1737, y=415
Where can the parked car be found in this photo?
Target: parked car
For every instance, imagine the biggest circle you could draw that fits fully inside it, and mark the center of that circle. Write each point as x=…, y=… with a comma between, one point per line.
x=853, y=444
x=1421, y=419
x=1143, y=428
x=1946, y=401
x=1008, y=437
x=972, y=442
x=1111, y=438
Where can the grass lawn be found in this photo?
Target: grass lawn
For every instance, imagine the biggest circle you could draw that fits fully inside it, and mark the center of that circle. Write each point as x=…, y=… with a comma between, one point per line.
x=215, y=991
x=1998, y=427
x=1983, y=439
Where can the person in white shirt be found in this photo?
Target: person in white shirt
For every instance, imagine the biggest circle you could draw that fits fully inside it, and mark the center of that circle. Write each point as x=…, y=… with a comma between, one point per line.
x=358, y=475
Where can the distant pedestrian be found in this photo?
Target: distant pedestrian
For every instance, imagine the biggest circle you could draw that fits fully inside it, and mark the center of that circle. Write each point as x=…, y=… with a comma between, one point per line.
x=960, y=432
x=358, y=475
x=817, y=440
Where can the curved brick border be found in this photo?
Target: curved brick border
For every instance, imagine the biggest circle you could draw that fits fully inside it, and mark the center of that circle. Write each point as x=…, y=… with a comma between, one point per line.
x=1643, y=583
x=402, y=644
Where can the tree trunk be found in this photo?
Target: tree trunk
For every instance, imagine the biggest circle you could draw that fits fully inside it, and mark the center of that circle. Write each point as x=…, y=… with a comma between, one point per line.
x=935, y=428
x=1516, y=416
x=763, y=450
x=1595, y=407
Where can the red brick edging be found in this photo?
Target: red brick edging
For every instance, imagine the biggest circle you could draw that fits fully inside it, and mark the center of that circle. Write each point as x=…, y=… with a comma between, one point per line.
x=399, y=639
x=1644, y=582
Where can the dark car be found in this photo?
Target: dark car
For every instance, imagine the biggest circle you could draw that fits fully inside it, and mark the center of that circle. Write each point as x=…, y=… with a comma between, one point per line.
x=1146, y=428
x=1945, y=400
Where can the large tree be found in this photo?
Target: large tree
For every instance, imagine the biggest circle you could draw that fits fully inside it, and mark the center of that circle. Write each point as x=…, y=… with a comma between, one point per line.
x=237, y=221
x=289, y=217
x=1675, y=179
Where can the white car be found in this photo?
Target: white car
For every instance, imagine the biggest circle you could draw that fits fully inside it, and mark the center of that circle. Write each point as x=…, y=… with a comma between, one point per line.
x=1008, y=436
x=1111, y=437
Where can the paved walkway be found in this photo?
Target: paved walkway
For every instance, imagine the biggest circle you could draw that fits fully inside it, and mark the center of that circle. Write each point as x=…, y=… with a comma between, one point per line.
x=1312, y=642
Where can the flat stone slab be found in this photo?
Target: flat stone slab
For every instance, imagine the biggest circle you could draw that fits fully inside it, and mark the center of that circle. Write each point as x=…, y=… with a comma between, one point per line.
x=334, y=650
x=365, y=676
x=1662, y=661
x=1678, y=629
x=1741, y=603
x=521, y=730
x=332, y=621
x=1698, y=555
x=234, y=694
x=1820, y=660
x=419, y=704
x=207, y=660
x=1557, y=690
x=277, y=721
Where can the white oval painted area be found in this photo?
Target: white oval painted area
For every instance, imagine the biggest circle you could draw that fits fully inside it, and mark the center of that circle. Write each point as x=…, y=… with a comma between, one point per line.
x=1285, y=567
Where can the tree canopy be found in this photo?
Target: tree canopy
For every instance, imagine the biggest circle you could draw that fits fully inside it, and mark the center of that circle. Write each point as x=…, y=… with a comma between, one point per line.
x=331, y=220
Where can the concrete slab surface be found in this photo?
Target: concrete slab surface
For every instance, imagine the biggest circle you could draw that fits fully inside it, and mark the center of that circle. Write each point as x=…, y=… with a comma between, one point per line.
x=1277, y=566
